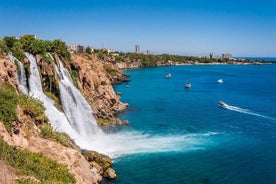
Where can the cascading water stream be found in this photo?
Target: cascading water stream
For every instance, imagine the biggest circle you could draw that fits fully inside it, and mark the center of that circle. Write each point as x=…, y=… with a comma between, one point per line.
x=57, y=118
x=76, y=108
x=20, y=75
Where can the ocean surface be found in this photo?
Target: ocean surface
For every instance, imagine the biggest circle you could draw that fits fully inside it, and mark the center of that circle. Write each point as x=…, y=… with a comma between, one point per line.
x=208, y=144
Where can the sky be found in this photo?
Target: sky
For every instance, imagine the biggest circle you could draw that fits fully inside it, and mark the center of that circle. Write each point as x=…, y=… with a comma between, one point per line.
x=183, y=27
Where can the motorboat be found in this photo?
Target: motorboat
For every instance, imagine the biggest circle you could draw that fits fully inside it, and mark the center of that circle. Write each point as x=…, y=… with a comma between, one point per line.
x=222, y=104
x=220, y=81
x=188, y=85
x=168, y=76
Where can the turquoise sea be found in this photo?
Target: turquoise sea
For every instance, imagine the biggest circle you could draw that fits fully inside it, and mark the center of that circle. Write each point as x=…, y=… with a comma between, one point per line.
x=232, y=145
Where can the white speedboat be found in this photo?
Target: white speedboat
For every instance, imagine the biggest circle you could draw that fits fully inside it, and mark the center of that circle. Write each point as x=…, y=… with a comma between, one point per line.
x=220, y=81
x=222, y=104
x=188, y=85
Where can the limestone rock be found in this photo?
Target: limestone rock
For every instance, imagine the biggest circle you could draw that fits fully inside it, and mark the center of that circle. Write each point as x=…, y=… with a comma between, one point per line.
x=96, y=86
x=110, y=174
x=8, y=72
x=102, y=160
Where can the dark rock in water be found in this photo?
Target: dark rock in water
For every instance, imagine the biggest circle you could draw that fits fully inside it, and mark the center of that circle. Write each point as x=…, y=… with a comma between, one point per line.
x=118, y=79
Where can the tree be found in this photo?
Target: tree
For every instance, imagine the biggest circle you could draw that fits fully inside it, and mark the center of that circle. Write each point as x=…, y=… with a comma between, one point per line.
x=9, y=41
x=28, y=44
x=60, y=48
x=88, y=50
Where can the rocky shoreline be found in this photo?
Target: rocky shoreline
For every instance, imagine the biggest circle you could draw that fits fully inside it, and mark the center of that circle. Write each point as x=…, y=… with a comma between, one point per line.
x=86, y=166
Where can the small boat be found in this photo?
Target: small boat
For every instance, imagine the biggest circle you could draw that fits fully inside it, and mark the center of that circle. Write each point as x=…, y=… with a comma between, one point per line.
x=188, y=85
x=168, y=76
x=222, y=104
x=220, y=81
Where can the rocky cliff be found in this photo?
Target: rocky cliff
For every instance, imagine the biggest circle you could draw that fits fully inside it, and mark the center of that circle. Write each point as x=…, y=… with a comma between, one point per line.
x=94, y=80
x=8, y=72
x=28, y=132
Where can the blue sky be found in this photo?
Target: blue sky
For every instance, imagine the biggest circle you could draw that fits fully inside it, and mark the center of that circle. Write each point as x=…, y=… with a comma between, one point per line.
x=194, y=27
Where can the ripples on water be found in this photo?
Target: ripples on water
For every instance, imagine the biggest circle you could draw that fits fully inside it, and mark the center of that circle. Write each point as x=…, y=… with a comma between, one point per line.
x=204, y=143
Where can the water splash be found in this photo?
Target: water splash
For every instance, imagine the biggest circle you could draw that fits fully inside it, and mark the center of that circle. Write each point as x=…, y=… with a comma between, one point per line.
x=135, y=142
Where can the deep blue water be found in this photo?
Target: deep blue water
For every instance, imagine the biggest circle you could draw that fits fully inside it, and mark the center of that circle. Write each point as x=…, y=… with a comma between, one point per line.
x=233, y=145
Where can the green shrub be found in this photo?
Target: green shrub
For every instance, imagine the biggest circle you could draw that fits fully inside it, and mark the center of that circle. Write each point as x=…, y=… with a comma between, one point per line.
x=55, y=98
x=32, y=107
x=8, y=99
x=27, y=181
x=75, y=76
x=46, y=57
x=110, y=70
x=47, y=132
x=42, y=168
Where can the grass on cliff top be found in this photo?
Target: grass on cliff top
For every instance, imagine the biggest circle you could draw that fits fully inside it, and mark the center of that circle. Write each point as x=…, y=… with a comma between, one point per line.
x=34, y=164
x=8, y=102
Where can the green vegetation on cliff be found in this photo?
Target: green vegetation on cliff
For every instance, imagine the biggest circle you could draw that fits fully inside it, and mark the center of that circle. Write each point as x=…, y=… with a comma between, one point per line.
x=36, y=165
x=29, y=43
x=153, y=60
x=31, y=107
x=8, y=99
x=27, y=163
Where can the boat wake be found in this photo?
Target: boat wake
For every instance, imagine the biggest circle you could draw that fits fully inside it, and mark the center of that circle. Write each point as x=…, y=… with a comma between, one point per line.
x=245, y=111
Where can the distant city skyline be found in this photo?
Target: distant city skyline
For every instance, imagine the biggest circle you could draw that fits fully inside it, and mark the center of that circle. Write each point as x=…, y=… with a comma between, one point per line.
x=197, y=28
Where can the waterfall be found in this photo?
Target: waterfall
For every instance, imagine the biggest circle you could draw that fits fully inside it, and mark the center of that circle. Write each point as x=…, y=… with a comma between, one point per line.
x=20, y=75
x=56, y=118
x=77, y=109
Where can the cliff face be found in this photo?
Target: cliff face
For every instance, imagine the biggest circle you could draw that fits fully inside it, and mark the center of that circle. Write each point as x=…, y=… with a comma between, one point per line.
x=8, y=72
x=75, y=162
x=96, y=87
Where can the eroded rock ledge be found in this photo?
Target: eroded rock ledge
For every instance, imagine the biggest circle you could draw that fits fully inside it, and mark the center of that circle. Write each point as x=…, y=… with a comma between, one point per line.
x=94, y=80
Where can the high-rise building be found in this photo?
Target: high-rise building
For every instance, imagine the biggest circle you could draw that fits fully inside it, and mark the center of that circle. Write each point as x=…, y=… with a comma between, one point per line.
x=211, y=55
x=227, y=55
x=137, y=48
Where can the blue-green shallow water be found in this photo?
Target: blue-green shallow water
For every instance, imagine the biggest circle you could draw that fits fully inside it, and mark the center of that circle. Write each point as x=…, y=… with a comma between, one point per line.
x=233, y=145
